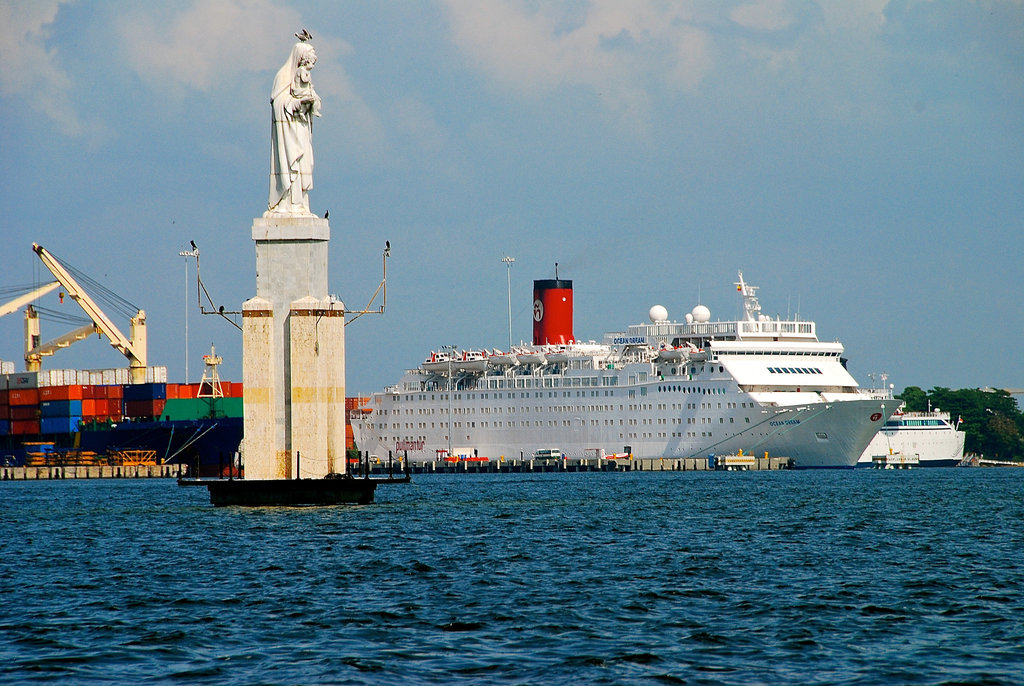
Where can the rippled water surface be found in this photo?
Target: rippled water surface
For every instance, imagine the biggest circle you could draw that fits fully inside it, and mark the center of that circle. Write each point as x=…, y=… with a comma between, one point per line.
x=719, y=578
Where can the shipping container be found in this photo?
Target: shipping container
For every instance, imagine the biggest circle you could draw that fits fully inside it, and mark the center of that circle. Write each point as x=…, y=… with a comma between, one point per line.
x=73, y=392
x=23, y=396
x=144, y=408
x=25, y=427
x=145, y=391
x=59, y=425
x=201, y=408
x=23, y=412
x=5, y=427
x=61, y=408
x=22, y=380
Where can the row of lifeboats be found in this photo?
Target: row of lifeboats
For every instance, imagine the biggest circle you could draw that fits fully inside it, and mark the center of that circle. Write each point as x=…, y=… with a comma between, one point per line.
x=690, y=353
x=480, y=360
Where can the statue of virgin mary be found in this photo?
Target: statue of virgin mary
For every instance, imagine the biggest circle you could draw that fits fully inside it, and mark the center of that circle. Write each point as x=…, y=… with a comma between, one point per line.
x=293, y=104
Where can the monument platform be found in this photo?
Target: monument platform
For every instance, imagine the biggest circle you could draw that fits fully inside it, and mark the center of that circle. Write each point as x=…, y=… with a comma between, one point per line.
x=343, y=490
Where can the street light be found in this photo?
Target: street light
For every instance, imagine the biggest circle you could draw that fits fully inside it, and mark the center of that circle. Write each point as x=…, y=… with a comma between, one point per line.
x=194, y=252
x=451, y=353
x=508, y=266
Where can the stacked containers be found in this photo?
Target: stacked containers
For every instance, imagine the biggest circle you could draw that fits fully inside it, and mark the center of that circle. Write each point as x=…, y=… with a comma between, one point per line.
x=24, y=411
x=144, y=400
x=59, y=416
x=5, y=413
x=23, y=403
x=352, y=403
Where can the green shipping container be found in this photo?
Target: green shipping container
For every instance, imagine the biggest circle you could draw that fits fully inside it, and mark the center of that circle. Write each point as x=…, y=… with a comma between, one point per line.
x=200, y=408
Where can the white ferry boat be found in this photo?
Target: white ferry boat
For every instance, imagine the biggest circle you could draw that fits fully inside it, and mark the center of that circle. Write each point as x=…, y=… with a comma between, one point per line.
x=661, y=389
x=931, y=437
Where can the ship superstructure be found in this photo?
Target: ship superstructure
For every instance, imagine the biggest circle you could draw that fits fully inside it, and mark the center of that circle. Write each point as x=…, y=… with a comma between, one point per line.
x=659, y=389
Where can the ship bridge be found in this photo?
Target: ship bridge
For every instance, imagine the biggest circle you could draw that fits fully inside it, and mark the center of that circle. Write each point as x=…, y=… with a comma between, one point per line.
x=678, y=333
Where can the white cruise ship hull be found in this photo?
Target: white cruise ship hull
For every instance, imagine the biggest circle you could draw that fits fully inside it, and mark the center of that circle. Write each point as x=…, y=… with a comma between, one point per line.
x=818, y=435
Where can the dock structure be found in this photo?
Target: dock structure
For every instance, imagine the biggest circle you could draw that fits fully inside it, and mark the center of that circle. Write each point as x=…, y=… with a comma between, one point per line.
x=47, y=472
x=895, y=461
x=484, y=465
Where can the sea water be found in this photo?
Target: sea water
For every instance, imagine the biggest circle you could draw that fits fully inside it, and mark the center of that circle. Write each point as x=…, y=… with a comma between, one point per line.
x=830, y=577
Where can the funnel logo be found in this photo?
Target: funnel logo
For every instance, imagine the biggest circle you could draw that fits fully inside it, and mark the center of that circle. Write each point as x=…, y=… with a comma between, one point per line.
x=538, y=310
x=876, y=416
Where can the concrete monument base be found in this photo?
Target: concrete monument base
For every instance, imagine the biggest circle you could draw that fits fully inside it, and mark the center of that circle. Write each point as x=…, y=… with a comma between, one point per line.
x=293, y=368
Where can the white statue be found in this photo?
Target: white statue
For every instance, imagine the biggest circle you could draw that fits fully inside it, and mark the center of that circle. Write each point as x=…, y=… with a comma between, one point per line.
x=293, y=104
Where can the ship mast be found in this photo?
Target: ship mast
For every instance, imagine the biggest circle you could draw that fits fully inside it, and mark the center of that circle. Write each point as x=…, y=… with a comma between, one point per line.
x=751, y=307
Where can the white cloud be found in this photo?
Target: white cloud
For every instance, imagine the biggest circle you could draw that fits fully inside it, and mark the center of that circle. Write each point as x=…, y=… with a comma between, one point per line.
x=764, y=15
x=32, y=71
x=613, y=48
x=207, y=43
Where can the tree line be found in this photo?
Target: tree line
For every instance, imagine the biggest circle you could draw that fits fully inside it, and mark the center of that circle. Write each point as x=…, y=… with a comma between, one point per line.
x=991, y=419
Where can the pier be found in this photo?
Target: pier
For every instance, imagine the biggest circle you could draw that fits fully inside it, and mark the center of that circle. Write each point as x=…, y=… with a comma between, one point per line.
x=592, y=464
x=44, y=472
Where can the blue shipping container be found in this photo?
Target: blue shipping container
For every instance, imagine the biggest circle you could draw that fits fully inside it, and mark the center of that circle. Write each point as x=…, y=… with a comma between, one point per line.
x=59, y=425
x=5, y=427
x=61, y=408
x=145, y=391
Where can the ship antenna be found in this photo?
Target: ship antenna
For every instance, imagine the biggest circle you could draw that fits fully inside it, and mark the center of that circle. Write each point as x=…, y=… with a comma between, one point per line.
x=751, y=308
x=556, y=271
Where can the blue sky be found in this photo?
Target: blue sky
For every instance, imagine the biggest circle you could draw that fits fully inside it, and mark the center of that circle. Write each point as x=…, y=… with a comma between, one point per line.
x=861, y=162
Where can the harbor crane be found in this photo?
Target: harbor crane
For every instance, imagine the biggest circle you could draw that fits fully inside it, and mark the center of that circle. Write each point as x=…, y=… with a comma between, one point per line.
x=14, y=305
x=133, y=348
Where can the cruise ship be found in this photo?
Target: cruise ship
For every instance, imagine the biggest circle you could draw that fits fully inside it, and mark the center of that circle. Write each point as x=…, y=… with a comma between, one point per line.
x=662, y=389
x=929, y=439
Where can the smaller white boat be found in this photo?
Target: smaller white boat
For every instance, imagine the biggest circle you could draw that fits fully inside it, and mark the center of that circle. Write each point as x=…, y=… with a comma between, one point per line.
x=500, y=359
x=531, y=357
x=556, y=355
x=437, y=362
x=669, y=354
x=471, y=361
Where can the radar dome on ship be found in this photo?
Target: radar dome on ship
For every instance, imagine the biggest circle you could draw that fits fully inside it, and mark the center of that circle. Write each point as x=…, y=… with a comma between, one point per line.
x=701, y=314
x=658, y=314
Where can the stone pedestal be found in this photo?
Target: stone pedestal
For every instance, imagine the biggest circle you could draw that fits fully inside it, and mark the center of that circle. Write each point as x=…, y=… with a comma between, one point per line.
x=293, y=355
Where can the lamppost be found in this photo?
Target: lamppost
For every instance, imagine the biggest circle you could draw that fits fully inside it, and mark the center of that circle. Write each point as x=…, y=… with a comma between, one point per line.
x=508, y=267
x=194, y=252
x=451, y=353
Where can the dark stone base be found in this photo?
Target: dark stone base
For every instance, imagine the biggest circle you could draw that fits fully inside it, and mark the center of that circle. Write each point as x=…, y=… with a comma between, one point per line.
x=334, y=491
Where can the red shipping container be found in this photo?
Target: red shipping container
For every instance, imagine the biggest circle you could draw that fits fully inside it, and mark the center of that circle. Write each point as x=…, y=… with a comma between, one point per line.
x=172, y=391
x=73, y=392
x=144, y=408
x=25, y=428
x=115, y=392
x=24, y=396
x=3, y=396
x=92, y=407
x=23, y=412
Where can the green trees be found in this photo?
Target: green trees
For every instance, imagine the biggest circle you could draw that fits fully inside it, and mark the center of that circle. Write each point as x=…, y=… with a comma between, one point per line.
x=993, y=423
